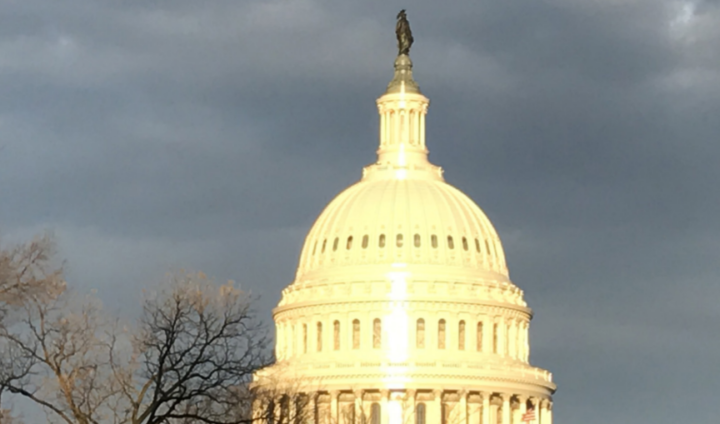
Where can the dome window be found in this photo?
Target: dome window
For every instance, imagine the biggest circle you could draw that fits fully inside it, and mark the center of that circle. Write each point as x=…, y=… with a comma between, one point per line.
x=349, y=243
x=323, y=246
x=461, y=335
x=365, y=241
x=399, y=240
x=420, y=334
x=465, y=244
x=377, y=333
x=477, y=245
x=356, y=334
x=375, y=413
x=495, y=338
x=433, y=241
x=487, y=247
x=479, y=336
x=441, y=334
x=420, y=413
x=381, y=241
x=335, y=243
x=314, y=248
x=336, y=335
x=304, y=338
x=417, y=240
x=319, y=335
x=451, y=243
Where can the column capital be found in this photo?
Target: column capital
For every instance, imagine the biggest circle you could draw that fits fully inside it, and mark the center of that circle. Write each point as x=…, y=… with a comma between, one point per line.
x=506, y=396
x=385, y=393
x=438, y=393
x=485, y=394
x=411, y=393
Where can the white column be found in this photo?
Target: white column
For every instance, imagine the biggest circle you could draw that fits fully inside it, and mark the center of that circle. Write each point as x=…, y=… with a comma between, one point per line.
x=334, y=416
x=523, y=406
x=549, y=412
x=437, y=408
x=384, y=407
x=413, y=407
x=543, y=411
x=358, y=405
x=422, y=128
x=485, y=407
x=463, y=408
x=506, y=408
x=488, y=329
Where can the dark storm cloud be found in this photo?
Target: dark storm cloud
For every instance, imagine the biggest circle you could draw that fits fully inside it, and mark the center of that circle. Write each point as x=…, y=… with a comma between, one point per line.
x=210, y=135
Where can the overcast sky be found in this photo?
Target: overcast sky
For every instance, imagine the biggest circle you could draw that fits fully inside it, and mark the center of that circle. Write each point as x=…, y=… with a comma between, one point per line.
x=210, y=134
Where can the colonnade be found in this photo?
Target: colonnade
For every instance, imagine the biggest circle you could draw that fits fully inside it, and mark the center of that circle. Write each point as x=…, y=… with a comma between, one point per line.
x=417, y=407
x=496, y=335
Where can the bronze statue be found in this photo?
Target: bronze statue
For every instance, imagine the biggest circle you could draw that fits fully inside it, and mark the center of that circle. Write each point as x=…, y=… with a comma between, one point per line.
x=403, y=33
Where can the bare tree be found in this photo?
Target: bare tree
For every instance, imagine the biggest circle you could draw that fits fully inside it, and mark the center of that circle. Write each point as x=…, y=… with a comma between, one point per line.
x=27, y=271
x=196, y=348
x=189, y=358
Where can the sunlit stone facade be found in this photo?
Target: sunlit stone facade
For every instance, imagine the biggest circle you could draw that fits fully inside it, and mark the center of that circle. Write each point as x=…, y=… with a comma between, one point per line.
x=402, y=310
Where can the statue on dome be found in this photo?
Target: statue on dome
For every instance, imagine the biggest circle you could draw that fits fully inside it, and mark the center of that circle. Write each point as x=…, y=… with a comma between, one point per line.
x=403, y=33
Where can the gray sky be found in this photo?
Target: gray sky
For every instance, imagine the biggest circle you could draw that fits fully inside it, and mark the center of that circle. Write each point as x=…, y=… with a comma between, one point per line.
x=209, y=135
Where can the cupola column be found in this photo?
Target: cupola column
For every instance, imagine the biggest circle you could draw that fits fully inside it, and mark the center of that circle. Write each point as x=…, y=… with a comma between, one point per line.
x=402, y=112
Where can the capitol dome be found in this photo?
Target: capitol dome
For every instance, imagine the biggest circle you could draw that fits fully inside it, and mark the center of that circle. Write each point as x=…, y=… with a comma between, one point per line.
x=402, y=310
x=418, y=220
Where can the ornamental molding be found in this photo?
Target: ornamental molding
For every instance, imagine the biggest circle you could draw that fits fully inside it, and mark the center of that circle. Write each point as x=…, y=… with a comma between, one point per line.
x=325, y=309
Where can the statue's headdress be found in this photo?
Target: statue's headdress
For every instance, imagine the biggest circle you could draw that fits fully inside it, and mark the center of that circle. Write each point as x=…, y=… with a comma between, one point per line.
x=402, y=13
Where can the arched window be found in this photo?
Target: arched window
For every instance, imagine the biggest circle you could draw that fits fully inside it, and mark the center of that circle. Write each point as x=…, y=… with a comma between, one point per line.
x=433, y=241
x=319, y=336
x=420, y=334
x=480, y=336
x=495, y=338
x=441, y=334
x=420, y=413
x=336, y=335
x=465, y=243
x=304, y=338
x=335, y=243
x=314, y=248
x=377, y=333
x=507, y=340
x=487, y=247
x=375, y=413
x=451, y=243
x=461, y=335
x=381, y=241
x=349, y=243
x=399, y=240
x=417, y=240
x=356, y=334
x=365, y=241
x=323, y=246
x=477, y=245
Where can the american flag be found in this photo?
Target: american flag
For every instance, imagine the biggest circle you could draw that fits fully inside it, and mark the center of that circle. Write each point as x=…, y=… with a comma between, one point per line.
x=529, y=415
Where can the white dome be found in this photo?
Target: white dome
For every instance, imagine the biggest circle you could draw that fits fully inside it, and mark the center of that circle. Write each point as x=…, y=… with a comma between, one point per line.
x=418, y=220
x=402, y=293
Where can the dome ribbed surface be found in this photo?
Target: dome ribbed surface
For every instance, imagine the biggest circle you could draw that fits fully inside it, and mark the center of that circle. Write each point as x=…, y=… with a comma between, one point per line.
x=385, y=221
